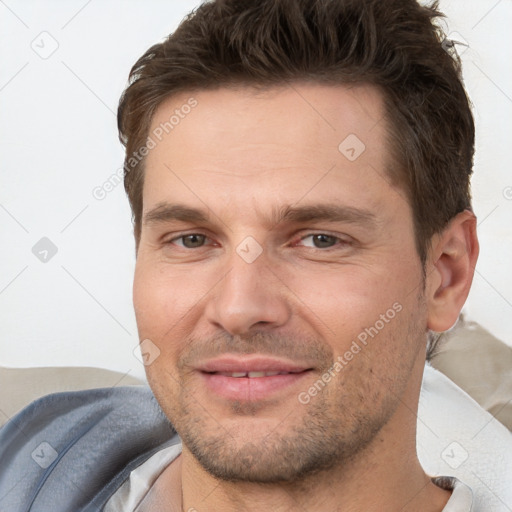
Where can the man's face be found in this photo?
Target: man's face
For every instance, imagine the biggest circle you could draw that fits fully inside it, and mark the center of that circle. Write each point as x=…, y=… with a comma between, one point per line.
x=273, y=242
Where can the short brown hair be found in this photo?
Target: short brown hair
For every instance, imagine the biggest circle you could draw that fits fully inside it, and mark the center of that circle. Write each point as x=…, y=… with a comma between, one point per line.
x=392, y=44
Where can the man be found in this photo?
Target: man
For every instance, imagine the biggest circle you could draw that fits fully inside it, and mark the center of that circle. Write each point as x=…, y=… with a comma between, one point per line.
x=298, y=172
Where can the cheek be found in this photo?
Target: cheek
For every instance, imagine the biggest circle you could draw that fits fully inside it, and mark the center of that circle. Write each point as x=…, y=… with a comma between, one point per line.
x=158, y=301
x=147, y=296
x=343, y=302
x=156, y=312
x=168, y=304
x=159, y=294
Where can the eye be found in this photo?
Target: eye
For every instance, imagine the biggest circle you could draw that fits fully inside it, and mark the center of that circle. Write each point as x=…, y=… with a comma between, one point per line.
x=191, y=241
x=320, y=241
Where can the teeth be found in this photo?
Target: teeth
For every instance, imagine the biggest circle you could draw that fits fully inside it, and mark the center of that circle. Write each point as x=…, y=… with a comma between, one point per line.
x=264, y=374
x=251, y=375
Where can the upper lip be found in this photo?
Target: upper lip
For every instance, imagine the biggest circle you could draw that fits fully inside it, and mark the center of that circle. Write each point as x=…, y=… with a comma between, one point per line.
x=255, y=363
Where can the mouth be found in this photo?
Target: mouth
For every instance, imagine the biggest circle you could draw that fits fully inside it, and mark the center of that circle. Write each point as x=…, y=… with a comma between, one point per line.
x=251, y=378
x=250, y=375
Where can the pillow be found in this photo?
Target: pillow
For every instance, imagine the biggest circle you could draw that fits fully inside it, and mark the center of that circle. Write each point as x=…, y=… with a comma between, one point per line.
x=480, y=364
x=21, y=386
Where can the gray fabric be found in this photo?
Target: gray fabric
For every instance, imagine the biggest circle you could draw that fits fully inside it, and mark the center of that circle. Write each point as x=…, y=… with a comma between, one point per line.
x=69, y=452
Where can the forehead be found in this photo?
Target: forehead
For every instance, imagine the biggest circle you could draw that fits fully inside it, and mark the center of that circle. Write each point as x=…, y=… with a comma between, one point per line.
x=298, y=112
x=278, y=141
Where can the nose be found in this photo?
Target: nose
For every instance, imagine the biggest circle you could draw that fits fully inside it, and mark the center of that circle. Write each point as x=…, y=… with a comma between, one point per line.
x=249, y=297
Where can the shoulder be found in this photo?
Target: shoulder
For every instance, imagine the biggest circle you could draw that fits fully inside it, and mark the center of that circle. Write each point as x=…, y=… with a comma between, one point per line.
x=67, y=450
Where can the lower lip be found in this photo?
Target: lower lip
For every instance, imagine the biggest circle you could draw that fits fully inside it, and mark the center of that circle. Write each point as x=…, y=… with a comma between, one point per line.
x=250, y=389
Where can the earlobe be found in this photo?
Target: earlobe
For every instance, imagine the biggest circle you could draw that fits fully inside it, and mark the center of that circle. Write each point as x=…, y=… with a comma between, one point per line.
x=452, y=261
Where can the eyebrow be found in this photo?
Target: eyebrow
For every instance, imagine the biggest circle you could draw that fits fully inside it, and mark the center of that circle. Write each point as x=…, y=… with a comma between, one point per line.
x=325, y=212
x=166, y=212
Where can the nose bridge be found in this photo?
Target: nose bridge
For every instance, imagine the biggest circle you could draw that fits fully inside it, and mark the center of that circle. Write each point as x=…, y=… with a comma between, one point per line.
x=249, y=294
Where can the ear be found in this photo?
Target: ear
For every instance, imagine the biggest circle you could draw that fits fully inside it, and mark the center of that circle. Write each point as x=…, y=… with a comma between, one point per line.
x=450, y=268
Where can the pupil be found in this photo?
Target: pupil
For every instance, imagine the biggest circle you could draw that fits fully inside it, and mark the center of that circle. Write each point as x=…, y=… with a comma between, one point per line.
x=324, y=240
x=191, y=241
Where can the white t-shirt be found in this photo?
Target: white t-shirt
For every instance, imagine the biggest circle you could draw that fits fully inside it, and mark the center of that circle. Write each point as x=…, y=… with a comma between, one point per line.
x=135, y=489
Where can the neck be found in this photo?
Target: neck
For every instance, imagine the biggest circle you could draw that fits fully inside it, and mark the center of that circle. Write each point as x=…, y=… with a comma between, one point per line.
x=374, y=482
x=385, y=476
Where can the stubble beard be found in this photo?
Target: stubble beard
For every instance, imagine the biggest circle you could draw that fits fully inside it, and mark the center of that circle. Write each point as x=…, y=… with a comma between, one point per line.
x=318, y=442
x=332, y=429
